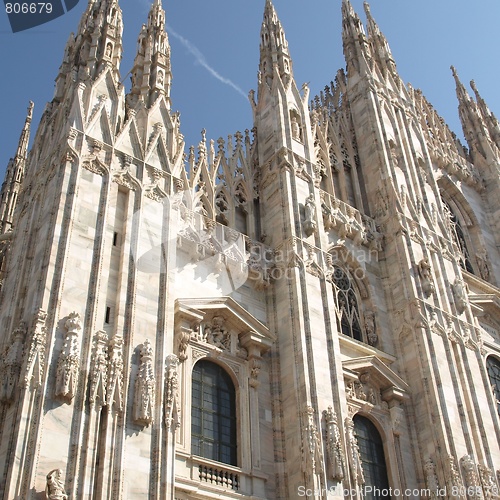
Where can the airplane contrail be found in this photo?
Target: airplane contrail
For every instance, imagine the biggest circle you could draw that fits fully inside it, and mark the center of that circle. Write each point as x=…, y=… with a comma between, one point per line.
x=200, y=59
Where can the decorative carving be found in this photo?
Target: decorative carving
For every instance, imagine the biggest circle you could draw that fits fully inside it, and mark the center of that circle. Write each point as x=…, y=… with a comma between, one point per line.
x=454, y=479
x=94, y=166
x=114, y=391
x=425, y=273
x=255, y=366
x=314, y=457
x=68, y=363
x=460, y=293
x=310, y=215
x=334, y=452
x=217, y=334
x=172, y=406
x=431, y=478
x=183, y=338
x=34, y=360
x=354, y=457
x=144, y=400
x=487, y=477
x=471, y=477
x=11, y=365
x=99, y=371
x=356, y=390
x=55, y=486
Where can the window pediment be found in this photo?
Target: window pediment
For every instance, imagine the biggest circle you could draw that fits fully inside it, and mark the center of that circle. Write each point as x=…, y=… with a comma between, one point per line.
x=211, y=320
x=391, y=385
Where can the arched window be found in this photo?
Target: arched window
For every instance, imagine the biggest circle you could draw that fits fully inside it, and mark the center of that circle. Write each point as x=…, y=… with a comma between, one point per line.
x=347, y=305
x=493, y=366
x=371, y=450
x=459, y=238
x=213, y=413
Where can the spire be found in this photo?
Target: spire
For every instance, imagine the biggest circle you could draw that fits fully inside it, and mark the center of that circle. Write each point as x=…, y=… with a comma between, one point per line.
x=380, y=47
x=151, y=74
x=273, y=47
x=14, y=175
x=97, y=45
x=488, y=117
x=354, y=39
x=469, y=115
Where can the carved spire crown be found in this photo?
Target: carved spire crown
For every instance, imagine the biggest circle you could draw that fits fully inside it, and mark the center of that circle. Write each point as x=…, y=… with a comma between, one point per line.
x=96, y=45
x=14, y=175
x=151, y=74
x=273, y=47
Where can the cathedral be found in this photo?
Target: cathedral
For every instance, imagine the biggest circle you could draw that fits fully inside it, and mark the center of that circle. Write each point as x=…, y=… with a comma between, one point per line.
x=307, y=309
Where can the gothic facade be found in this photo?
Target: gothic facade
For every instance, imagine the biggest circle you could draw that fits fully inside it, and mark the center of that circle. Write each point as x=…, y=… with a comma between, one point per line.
x=306, y=309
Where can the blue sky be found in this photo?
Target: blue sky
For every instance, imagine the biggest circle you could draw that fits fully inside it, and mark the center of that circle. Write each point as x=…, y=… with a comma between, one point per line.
x=215, y=48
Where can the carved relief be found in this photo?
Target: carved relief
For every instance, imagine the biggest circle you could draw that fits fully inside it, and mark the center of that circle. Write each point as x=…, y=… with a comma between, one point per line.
x=54, y=489
x=487, y=477
x=454, y=478
x=472, y=482
x=68, y=363
x=335, y=454
x=34, y=359
x=144, y=399
x=431, y=478
x=11, y=365
x=172, y=404
x=314, y=457
x=183, y=338
x=98, y=371
x=114, y=390
x=216, y=334
x=255, y=366
x=353, y=455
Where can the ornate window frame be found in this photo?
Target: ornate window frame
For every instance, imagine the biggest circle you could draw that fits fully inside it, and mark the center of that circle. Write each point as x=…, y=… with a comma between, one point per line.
x=222, y=331
x=376, y=392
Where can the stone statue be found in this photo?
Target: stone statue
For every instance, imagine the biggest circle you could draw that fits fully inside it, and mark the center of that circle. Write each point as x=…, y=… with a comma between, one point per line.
x=425, y=273
x=295, y=127
x=370, y=328
x=482, y=263
x=460, y=292
x=55, y=486
x=310, y=215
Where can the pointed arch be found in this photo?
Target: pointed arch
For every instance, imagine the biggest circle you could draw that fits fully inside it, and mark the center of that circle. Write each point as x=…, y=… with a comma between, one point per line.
x=354, y=310
x=462, y=223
